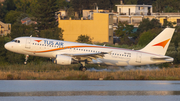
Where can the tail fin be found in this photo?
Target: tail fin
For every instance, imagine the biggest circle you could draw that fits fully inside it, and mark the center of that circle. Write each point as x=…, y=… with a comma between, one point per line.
x=160, y=43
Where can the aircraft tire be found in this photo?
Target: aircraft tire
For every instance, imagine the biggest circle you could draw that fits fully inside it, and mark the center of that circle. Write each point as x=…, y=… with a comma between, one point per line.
x=25, y=63
x=84, y=69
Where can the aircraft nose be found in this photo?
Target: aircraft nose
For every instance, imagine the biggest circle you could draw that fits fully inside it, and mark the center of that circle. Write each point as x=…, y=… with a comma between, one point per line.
x=7, y=46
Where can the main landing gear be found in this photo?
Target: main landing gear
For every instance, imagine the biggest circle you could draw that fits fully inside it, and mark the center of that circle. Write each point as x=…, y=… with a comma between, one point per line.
x=26, y=58
x=82, y=67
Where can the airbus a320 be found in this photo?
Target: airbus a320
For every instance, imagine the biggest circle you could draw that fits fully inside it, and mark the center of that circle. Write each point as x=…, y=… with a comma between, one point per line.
x=67, y=53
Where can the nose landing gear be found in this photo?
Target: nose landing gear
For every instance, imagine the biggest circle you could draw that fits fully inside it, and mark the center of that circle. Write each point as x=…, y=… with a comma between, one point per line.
x=26, y=58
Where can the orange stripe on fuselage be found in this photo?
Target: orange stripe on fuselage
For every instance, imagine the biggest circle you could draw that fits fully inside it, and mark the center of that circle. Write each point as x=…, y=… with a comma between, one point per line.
x=70, y=47
x=86, y=46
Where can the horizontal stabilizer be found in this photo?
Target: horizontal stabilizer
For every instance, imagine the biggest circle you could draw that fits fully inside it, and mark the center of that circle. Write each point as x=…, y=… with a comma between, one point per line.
x=162, y=58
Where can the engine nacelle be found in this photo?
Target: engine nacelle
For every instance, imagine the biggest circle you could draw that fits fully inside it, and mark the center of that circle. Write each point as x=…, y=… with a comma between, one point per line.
x=63, y=60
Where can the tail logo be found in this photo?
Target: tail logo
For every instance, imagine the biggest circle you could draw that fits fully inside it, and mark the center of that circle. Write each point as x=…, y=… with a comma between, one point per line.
x=163, y=43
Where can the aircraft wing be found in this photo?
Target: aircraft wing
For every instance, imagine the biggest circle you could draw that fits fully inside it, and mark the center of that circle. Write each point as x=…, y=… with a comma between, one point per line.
x=87, y=56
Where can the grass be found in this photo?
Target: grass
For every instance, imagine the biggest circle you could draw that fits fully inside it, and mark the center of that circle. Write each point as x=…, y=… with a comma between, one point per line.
x=50, y=71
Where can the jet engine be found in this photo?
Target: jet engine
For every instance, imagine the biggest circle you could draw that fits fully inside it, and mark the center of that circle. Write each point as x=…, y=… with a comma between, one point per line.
x=64, y=60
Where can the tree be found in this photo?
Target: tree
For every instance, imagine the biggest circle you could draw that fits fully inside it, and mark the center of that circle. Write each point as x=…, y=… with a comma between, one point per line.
x=45, y=14
x=146, y=2
x=172, y=52
x=130, y=1
x=22, y=5
x=79, y=5
x=2, y=12
x=168, y=24
x=5, y=7
x=147, y=36
x=19, y=30
x=11, y=16
x=2, y=50
x=62, y=4
x=166, y=6
x=84, y=39
x=25, y=6
x=146, y=25
x=53, y=33
x=124, y=31
x=70, y=12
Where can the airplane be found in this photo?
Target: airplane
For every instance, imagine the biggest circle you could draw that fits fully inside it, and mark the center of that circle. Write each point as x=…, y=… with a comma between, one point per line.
x=67, y=53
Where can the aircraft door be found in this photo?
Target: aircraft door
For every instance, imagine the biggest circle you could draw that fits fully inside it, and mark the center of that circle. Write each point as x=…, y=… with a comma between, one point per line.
x=28, y=43
x=138, y=57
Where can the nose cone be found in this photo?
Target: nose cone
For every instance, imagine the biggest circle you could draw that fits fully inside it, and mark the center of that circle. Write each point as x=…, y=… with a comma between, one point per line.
x=7, y=46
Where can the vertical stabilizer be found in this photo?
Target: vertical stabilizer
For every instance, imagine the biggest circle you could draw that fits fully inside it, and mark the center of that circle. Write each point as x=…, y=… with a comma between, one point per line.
x=160, y=43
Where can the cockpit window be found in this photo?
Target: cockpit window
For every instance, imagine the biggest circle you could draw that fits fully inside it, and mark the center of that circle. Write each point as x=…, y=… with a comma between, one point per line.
x=16, y=41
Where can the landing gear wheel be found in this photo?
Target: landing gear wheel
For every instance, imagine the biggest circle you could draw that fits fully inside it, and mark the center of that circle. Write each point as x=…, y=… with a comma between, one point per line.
x=84, y=69
x=25, y=62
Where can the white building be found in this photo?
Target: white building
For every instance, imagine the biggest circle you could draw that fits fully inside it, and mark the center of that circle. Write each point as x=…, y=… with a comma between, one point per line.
x=134, y=9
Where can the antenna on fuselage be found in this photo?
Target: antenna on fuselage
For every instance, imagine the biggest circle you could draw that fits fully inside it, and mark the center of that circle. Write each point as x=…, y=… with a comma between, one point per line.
x=31, y=36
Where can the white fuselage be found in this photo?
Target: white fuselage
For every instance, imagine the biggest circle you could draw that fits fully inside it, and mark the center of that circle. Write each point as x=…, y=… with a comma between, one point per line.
x=50, y=48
